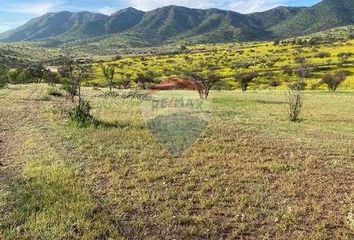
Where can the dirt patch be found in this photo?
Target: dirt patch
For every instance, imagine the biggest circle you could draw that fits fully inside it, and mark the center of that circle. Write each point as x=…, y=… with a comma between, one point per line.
x=176, y=83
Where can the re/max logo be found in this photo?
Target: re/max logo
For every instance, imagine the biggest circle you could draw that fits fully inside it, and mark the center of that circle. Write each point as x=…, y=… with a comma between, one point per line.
x=177, y=103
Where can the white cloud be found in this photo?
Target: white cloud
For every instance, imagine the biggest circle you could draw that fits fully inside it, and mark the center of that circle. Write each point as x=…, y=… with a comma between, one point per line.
x=244, y=6
x=33, y=9
x=7, y=25
x=249, y=6
x=107, y=10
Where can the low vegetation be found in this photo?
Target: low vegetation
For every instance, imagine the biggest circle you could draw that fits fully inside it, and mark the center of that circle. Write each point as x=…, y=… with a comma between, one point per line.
x=250, y=174
x=79, y=160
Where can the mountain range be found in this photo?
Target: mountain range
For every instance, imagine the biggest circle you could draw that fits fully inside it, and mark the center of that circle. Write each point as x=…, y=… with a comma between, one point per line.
x=172, y=23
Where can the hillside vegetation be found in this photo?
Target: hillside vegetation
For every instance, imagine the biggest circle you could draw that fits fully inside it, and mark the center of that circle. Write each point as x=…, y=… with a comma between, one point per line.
x=274, y=63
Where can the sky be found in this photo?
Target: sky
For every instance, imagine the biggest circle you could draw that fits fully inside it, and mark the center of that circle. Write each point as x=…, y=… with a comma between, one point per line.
x=14, y=13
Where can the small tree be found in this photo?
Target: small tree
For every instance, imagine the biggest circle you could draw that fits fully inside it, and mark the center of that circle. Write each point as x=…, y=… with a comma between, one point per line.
x=295, y=103
x=205, y=82
x=244, y=79
x=145, y=78
x=108, y=73
x=333, y=80
x=75, y=74
x=37, y=72
x=51, y=77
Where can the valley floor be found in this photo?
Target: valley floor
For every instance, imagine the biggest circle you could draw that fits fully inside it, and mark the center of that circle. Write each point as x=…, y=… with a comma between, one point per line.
x=252, y=174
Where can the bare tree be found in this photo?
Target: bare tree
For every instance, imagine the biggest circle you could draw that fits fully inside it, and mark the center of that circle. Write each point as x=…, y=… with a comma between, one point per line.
x=108, y=73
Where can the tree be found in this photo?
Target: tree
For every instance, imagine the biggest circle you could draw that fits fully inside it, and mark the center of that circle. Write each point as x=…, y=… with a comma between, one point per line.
x=51, y=77
x=333, y=80
x=75, y=74
x=19, y=76
x=108, y=73
x=144, y=78
x=3, y=76
x=205, y=82
x=244, y=79
x=36, y=71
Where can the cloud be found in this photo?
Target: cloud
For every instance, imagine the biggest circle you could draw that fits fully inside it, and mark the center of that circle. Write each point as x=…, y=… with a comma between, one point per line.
x=33, y=9
x=244, y=6
x=7, y=25
x=249, y=6
x=107, y=10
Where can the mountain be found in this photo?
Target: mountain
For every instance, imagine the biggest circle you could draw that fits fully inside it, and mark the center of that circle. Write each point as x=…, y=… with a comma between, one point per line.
x=51, y=25
x=275, y=16
x=173, y=23
x=322, y=16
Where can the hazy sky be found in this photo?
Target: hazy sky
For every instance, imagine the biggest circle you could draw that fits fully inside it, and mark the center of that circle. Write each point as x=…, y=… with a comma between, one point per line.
x=16, y=12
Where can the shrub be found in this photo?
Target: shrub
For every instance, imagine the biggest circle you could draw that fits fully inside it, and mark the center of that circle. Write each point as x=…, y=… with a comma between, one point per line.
x=54, y=92
x=75, y=76
x=108, y=73
x=242, y=64
x=287, y=70
x=302, y=72
x=322, y=55
x=145, y=78
x=344, y=56
x=125, y=83
x=51, y=77
x=70, y=87
x=274, y=83
x=81, y=113
x=20, y=76
x=300, y=60
x=245, y=79
x=333, y=80
x=295, y=100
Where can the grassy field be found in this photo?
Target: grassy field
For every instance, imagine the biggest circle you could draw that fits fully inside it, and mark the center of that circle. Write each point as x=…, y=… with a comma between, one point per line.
x=251, y=174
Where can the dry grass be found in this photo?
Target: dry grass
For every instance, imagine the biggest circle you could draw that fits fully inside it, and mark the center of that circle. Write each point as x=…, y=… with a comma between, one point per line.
x=252, y=174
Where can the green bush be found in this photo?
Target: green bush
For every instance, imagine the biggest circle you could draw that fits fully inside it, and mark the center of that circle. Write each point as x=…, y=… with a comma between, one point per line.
x=3, y=76
x=81, y=114
x=70, y=88
x=54, y=92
